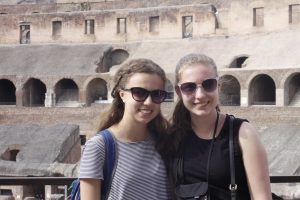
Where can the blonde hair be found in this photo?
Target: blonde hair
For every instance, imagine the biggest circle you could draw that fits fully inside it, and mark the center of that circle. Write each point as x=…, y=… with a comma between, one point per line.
x=181, y=119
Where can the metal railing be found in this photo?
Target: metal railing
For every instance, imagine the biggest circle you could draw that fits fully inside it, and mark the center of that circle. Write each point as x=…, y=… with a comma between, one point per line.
x=67, y=181
x=18, y=180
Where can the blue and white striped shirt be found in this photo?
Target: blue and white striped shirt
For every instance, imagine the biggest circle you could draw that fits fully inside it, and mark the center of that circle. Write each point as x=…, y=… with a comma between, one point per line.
x=140, y=172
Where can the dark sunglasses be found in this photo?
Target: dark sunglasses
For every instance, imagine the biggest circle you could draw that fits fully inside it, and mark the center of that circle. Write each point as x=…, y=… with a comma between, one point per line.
x=208, y=85
x=141, y=94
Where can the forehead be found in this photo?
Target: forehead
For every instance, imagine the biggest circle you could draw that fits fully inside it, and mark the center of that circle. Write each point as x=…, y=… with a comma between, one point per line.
x=145, y=80
x=196, y=72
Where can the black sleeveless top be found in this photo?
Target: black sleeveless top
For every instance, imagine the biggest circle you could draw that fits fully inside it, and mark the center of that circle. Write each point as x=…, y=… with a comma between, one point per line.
x=195, y=156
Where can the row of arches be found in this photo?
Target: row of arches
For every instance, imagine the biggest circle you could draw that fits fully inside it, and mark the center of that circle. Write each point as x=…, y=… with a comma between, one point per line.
x=261, y=91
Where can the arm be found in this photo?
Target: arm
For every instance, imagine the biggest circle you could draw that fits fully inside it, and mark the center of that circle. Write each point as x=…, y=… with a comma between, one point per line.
x=91, y=169
x=90, y=189
x=255, y=162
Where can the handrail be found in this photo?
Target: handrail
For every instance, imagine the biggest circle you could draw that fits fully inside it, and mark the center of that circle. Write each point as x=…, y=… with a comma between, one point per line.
x=34, y=180
x=285, y=179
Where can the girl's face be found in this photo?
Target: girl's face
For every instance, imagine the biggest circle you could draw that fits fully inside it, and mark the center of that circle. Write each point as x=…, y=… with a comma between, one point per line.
x=141, y=111
x=203, y=100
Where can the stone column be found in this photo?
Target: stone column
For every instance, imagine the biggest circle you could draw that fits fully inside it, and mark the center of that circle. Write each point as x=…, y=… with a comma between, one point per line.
x=109, y=97
x=244, y=98
x=82, y=98
x=48, y=192
x=19, y=98
x=50, y=99
x=279, y=97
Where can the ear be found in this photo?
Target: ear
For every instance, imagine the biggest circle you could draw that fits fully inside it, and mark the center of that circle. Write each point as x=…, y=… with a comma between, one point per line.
x=122, y=94
x=177, y=89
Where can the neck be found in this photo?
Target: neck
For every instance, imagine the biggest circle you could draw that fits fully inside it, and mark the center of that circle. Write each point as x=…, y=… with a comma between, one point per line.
x=129, y=132
x=204, y=126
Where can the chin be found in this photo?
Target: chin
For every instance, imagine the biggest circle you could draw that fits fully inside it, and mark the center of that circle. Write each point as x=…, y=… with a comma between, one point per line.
x=203, y=112
x=144, y=120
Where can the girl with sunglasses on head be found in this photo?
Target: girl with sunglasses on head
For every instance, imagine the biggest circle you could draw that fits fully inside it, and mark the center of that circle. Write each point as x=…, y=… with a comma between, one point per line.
x=200, y=136
x=138, y=127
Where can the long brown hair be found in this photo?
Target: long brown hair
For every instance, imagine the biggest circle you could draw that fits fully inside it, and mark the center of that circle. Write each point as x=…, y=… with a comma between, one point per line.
x=181, y=119
x=158, y=126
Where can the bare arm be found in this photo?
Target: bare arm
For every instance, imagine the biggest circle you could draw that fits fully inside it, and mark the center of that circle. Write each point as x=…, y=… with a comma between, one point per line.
x=90, y=189
x=255, y=162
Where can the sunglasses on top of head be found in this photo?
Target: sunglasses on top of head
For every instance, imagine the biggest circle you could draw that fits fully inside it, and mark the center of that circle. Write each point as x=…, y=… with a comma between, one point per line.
x=141, y=94
x=208, y=85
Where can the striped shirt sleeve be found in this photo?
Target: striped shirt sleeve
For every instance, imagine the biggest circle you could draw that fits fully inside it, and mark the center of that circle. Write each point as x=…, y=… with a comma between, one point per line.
x=92, y=159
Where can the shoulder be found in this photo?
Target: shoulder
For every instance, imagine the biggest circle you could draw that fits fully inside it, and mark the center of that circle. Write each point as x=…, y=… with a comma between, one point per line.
x=247, y=131
x=237, y=123
x=248, y=138
x=95, y=146
x=93, y=157
x=97, y=141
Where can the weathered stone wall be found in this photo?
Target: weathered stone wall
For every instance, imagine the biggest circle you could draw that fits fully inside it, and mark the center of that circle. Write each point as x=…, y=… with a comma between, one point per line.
x=88, y=117
x=228, y=18
x=275, y=14
x=137, y=25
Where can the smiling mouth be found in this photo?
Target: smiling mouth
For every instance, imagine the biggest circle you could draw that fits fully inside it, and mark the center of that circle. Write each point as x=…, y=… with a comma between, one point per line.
x=145, y=111
x=202, y=104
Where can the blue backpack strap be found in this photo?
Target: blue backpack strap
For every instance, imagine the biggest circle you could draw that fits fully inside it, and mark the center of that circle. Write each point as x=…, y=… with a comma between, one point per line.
x=109, y=163
x=75, y=193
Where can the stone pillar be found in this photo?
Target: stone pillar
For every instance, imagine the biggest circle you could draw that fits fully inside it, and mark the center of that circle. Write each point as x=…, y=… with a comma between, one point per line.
x=48, y=192
x=279, y=97
x=82, y=98
x=19, y=98
x=50, y=99
x=109, y=97
x=244, y=97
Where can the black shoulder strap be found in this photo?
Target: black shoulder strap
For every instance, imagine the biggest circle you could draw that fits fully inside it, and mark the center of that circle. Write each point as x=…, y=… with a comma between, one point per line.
x=109, y=163
x=178, y=164
x=233, y=185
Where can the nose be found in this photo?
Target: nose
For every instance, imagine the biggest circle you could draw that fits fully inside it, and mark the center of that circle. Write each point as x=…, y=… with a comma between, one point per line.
x=148, y=100
x=199, y=92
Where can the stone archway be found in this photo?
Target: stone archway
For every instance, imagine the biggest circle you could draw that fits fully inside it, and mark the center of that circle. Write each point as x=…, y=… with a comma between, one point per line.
x=110, y=58
x=230, y=91
x=239, y=62
x=170, y=91
x=262, y=90
x=96, y=91
x=7, y=92
x=34, y=92
x=293, y=90
x=66, y=93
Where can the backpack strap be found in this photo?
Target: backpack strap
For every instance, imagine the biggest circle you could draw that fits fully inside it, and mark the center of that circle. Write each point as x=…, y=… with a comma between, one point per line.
x=109, y=163
x=108, y=167
x=232, y=185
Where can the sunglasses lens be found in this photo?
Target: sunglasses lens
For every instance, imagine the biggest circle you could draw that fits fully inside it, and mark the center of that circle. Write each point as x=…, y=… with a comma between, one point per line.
x=158, y=96
x=209, y=85
x=188, y=88
x=139, y=94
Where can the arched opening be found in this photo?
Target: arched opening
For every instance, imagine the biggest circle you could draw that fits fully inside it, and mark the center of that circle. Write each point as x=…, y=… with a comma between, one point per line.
x=34, y=93
x=118, y=56
x=238, y=62
x=66, y=92
x=262, y=90
x=111, y=58
x=11, y=153
x=7, y=92
x=170, y=91
x=230, y=91
x=96, y=91
x=293, y=88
